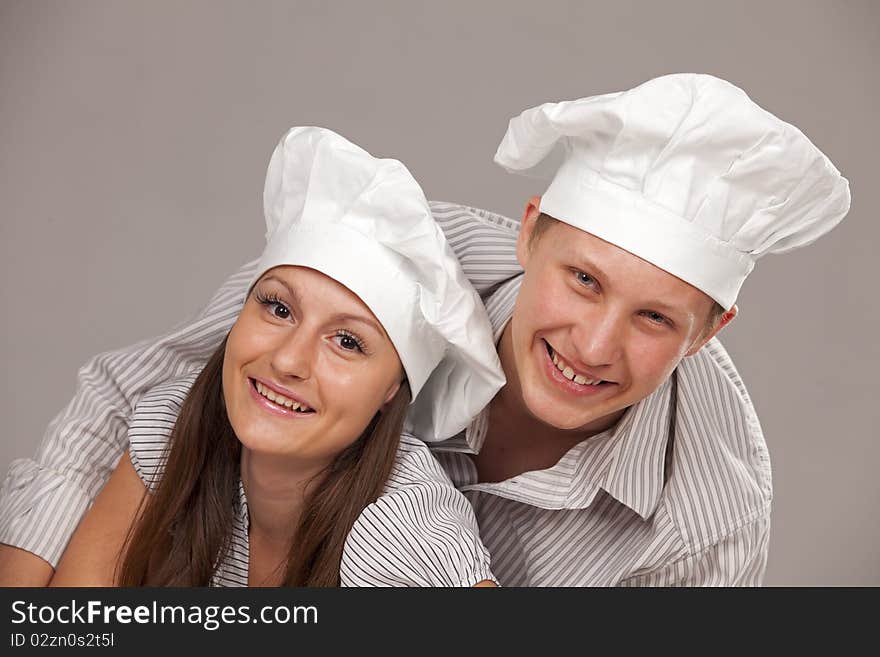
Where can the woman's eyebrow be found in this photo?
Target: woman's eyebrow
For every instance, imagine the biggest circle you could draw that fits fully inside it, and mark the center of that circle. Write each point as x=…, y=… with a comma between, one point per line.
x=293, y=293
x=362, y=319
x=338, y=317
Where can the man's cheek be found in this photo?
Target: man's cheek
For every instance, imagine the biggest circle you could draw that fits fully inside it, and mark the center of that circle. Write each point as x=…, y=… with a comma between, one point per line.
x=652, y=364
x=547, y=304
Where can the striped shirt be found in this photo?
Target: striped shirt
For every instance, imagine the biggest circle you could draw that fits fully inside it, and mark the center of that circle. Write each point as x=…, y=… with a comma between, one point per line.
x=677, y=493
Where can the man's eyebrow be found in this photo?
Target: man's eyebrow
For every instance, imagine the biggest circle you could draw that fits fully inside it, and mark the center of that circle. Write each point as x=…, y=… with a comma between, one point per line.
x=594, y=270
x=666, y=308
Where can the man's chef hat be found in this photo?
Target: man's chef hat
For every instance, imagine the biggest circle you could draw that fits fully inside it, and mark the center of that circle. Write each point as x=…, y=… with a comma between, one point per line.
x=684, y=171
x=364, y=222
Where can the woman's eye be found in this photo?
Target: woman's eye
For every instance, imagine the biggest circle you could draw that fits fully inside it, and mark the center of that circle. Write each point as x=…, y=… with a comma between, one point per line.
x=349, y=342
x=279, y=310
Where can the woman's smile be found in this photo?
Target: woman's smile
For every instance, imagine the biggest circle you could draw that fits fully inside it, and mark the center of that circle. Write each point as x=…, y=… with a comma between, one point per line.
x=273, y=401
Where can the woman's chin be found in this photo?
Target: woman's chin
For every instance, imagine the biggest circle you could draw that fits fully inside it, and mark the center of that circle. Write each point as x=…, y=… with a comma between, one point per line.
x=264, y=443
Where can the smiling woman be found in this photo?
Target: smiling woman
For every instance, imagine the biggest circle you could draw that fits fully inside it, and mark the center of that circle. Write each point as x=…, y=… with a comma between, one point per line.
x=293, y=428
x=306, y=349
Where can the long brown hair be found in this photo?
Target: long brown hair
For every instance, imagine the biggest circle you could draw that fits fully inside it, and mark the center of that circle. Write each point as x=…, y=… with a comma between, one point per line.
x=186, y=526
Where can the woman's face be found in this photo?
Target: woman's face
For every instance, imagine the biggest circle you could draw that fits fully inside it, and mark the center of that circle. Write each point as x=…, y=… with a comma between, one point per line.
x=306, y=367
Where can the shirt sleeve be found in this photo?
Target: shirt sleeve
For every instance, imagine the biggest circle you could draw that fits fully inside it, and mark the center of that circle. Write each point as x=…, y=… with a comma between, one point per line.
x=420, y=532
x=149, y=431
x=483, y=242
x=43, y=498
x=740, y=559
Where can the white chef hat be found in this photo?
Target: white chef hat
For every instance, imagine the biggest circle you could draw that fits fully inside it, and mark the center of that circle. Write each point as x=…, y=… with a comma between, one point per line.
x=684, y=171
x=365, y=222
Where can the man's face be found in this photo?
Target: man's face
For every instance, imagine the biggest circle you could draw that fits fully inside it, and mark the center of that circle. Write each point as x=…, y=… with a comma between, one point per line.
x=595, y=329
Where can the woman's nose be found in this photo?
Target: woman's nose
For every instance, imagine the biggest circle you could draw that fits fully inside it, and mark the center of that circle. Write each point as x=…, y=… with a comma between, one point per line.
x=294, y=354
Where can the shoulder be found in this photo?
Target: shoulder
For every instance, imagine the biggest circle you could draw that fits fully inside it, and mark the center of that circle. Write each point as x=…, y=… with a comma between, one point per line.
x=415, y=465
x=720, y=478
x=151, y=424
x=418, y=489
x=455, y=219
x=420, y=532
x=484, y=243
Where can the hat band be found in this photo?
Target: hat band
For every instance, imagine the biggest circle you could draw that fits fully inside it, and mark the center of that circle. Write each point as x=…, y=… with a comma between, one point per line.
x=626, y=219
x=375, y=274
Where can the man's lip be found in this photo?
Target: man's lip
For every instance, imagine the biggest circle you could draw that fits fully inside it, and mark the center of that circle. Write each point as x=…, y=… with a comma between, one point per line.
x=282, y=391
x=567, y=386
x=578, y=370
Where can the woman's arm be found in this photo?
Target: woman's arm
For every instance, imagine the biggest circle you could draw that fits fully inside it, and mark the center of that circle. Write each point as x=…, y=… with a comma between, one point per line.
x=96, y=549
x=21, y=568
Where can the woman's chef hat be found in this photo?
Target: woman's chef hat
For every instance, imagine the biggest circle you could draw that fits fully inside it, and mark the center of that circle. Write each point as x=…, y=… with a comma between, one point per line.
x=364, y=222
x=684, y=171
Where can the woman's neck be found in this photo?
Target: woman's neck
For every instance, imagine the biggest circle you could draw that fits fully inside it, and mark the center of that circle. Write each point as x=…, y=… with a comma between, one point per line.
x=276, y=489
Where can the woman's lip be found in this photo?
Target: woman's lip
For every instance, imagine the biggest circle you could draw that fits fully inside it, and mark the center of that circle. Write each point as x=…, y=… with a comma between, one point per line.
x=282, y=391
x=272, y=407
x=569, y=387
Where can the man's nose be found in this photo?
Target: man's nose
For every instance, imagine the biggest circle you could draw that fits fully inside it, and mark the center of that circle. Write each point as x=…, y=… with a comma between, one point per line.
x=294, y=354
x=599, y=338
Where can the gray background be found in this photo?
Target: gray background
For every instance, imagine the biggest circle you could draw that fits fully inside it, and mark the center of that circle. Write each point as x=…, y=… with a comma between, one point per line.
x=134, y=140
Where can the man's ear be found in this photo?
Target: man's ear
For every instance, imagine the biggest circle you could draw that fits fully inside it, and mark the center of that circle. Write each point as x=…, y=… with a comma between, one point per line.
x=726, y=319
x=527, y=225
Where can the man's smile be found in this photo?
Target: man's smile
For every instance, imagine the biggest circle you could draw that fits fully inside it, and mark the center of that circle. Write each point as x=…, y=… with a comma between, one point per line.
x=568, y=378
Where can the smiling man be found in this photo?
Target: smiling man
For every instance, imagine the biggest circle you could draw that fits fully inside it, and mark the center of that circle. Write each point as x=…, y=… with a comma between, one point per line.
x=624, y=448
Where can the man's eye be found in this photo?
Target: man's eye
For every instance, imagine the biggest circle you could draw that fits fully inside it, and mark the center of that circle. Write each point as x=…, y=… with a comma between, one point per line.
x=585, y=279
x=657, y=318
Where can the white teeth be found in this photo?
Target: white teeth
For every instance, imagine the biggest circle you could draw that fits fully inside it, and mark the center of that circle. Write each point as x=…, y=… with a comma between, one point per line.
x=569, y=373
x=272, y=396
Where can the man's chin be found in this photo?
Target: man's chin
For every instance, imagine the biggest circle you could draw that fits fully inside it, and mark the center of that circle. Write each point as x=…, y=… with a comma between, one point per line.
x=550, y=412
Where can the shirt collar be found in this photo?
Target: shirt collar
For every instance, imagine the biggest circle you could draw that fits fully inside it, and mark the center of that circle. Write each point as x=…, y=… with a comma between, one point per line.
x=240, y=506
x=637, y=471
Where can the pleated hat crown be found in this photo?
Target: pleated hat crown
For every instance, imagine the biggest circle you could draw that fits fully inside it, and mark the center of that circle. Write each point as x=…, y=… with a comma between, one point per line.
x=684, y=171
